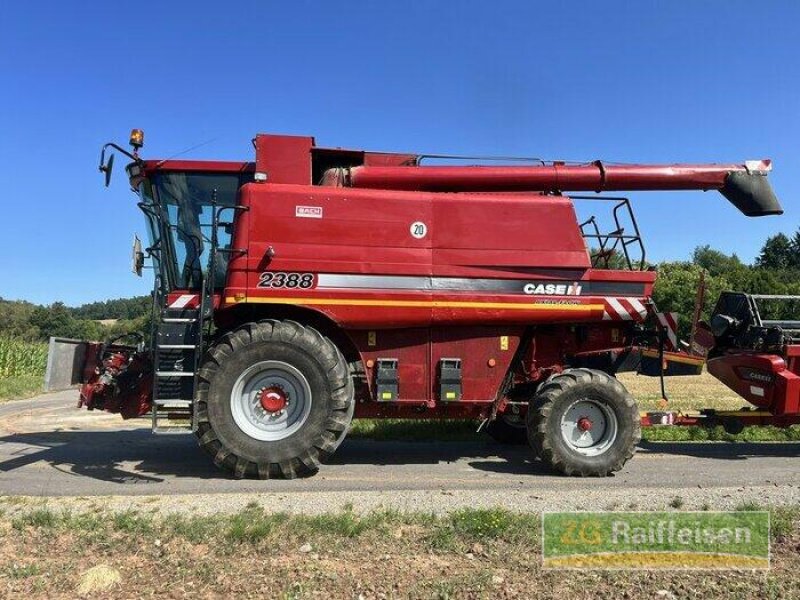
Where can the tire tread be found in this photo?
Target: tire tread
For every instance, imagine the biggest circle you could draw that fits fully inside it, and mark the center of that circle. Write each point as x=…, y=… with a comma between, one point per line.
x=340, y=410
x=541, y=437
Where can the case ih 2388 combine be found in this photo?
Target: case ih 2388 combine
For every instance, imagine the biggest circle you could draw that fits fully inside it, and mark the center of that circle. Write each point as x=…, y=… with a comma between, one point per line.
x=316, y=285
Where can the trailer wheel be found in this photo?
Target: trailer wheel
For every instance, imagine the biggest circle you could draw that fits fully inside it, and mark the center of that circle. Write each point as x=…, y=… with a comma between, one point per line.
x=584, y=422
x=274, y=399
x=508, y=429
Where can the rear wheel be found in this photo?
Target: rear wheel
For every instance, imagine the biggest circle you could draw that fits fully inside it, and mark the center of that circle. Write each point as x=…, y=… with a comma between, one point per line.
x=584, y=422
x=508, y=429
x=275, y=399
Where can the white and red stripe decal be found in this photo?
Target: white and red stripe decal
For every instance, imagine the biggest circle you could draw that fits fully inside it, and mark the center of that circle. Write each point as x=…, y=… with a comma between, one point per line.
x=669, y=321
x=624, y=309
x=184, y=301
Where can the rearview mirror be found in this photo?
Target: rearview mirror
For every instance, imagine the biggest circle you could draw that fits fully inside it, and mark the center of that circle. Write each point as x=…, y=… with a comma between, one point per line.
x=138, y=256
x=107, y=168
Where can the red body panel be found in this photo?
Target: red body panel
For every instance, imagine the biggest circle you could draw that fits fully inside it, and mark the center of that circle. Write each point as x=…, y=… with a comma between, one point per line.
x=453, y=292
x=471, y=266
x=286, y=158
x=765, y=380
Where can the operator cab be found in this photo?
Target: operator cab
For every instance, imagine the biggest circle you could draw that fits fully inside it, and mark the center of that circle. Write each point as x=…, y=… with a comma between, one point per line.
x=179, y=210
x=182, y=201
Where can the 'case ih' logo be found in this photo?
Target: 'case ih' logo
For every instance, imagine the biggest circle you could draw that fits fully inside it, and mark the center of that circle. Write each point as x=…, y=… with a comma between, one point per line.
x=312, y=212
x=552, y=289
x=755, y=375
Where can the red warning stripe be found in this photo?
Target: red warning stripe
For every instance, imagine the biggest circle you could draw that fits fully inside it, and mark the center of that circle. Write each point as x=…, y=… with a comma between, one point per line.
x=669, y=321
x=183, y=301
x=624, y=309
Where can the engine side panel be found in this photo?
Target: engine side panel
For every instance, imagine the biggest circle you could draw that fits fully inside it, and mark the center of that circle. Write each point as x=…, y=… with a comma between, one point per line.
x=388, y=259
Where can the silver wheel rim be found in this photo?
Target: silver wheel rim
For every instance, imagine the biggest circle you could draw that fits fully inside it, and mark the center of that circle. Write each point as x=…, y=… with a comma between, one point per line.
x=600, y=420
x=249, y=414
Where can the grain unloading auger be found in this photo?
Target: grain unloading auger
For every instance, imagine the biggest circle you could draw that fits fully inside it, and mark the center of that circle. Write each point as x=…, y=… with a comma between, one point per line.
x=745, y=185
x=316, y=285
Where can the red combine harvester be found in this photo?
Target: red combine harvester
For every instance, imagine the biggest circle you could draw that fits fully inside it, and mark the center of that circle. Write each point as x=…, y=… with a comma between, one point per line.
x=316, y=285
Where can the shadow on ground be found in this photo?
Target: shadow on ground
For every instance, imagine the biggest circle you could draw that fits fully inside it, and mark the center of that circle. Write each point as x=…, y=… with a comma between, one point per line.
x=139, y=458
x=723, y=450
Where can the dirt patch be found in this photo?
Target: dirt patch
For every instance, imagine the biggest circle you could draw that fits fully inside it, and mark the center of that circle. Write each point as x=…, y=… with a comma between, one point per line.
x=470, y=554
x=69, y=418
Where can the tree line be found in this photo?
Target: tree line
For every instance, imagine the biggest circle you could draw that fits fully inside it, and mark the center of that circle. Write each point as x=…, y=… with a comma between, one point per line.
x=94, y=321
x=776, y=270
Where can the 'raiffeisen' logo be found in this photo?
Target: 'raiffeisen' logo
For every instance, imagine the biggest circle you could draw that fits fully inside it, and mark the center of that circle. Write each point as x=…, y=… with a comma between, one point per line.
x=552, y=289
x=656, y=540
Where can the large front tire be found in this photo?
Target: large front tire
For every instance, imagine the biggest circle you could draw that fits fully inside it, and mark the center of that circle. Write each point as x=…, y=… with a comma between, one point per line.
x=583, y=422
x=274, y=399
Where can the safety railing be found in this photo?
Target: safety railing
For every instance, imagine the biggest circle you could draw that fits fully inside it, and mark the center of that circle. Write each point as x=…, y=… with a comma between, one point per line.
x=617, y=249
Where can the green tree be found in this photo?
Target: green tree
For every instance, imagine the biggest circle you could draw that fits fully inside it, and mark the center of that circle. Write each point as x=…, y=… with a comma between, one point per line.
x=119, y=308
x=794, y=261
x=719, y=264
x=777, y=253
x=15, y=320
x=716, y=262
x=676, y=291
x=53, y=320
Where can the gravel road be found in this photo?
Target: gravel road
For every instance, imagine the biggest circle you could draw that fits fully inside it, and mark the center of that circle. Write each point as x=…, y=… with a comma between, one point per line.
x=80, y=459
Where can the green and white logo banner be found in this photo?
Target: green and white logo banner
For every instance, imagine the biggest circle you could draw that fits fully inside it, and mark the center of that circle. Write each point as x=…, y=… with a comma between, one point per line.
x=656, y=540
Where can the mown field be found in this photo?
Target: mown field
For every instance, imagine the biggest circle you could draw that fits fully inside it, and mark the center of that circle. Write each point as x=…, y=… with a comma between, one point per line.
x=22, y=366
x=469, y=553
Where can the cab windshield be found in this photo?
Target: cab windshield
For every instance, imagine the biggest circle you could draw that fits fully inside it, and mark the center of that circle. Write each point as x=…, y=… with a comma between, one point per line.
x=180, y=217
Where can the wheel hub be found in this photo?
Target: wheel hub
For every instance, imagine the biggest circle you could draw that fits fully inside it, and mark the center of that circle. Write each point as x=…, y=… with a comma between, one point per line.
x=273, y=399
x=589, y=426
x=270, y=400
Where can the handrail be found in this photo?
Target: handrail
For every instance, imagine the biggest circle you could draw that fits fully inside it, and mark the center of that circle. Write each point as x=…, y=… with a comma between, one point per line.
x=621, y=241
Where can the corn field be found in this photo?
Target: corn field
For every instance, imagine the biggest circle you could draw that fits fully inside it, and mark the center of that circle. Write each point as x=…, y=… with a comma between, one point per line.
x=22, y=358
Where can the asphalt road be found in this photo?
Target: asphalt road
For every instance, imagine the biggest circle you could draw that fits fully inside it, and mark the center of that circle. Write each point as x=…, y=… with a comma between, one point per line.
x=48, y=447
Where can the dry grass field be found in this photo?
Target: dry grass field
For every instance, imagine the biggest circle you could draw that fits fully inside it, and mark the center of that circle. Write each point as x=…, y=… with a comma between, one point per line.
x=690, y=393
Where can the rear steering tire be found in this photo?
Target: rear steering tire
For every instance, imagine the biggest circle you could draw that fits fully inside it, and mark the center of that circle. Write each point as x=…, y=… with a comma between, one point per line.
x=274, y=399
x=583, y=422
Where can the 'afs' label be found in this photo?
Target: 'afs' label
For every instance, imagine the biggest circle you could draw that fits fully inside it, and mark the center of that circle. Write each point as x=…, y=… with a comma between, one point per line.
x=310, y=212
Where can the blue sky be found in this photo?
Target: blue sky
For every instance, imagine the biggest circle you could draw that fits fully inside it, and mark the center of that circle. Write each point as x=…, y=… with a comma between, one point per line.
x=626, y=81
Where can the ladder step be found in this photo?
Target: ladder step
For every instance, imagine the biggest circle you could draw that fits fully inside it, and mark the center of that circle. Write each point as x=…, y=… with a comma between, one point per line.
x=175, y=402
x=173, y=430
x=174, y=374
x=176, y=346
x=172, y=416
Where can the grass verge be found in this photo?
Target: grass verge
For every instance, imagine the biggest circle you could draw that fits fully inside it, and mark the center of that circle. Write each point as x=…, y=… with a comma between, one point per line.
x=718, y=434
x=20, y=386
x=468, y=553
